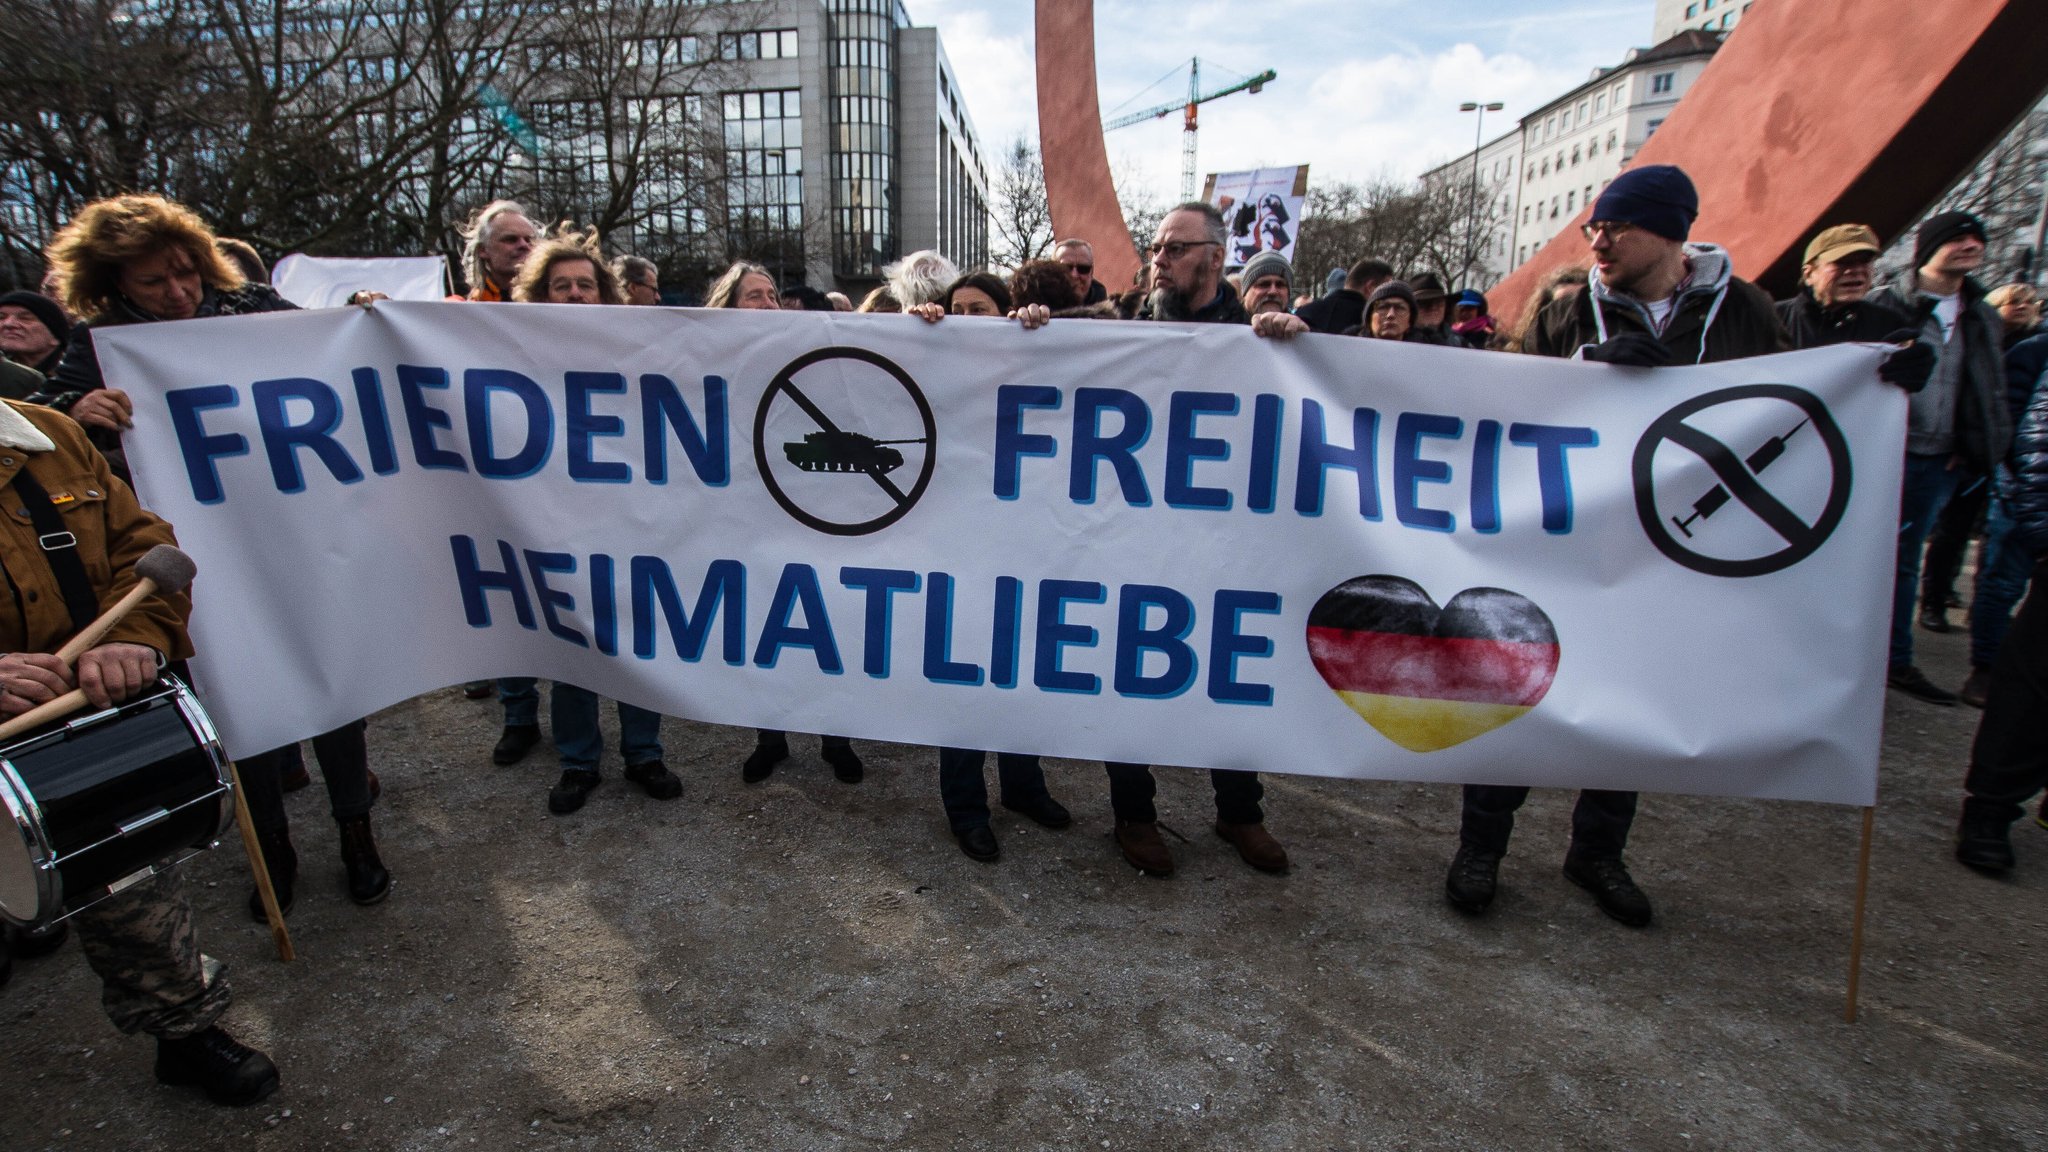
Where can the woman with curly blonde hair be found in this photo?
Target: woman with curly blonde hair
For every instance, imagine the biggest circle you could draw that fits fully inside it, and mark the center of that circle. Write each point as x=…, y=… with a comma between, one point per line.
x=134, y=260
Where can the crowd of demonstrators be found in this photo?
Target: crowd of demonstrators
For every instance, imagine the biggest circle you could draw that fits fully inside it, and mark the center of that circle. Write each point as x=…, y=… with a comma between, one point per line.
x=1650, y=297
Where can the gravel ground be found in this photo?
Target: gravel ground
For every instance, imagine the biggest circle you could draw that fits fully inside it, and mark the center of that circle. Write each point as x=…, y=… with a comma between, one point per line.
x=805, y=964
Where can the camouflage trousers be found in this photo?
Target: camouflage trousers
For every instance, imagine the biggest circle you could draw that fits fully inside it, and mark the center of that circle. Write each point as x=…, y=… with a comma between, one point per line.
x=142, y=944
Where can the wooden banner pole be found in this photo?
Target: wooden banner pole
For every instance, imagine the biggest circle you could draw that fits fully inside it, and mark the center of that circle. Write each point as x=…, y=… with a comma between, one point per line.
x=1856, y=926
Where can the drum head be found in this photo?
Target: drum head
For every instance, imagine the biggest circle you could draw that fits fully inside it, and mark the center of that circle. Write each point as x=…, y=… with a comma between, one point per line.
x=20, y=895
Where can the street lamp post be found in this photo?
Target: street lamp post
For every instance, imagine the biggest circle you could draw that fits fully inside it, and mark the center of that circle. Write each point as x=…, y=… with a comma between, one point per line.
x=1472, y=220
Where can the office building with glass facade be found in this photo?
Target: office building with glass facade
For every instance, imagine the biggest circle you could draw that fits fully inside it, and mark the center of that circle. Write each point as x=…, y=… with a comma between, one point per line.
x=849, y=144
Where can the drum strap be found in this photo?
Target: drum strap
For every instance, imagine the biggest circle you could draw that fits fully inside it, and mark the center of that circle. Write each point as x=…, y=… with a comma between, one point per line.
x=60, y=549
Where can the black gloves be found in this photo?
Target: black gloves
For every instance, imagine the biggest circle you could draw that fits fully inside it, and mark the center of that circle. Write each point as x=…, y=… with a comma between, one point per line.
x=1909, y=367
x=1632, y=349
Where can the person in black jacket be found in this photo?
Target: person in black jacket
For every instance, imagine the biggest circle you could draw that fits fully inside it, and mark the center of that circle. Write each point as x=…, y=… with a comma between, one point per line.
x=1344, y=309
x=2009, y=759
x=1958, y=427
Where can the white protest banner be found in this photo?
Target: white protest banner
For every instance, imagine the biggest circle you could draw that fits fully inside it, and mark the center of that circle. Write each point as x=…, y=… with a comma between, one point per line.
x=1149, y=542
x=1262, y=207
x=328, y=281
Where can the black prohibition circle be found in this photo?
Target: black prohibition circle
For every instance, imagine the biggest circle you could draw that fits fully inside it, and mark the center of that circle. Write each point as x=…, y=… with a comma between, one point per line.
x=1801, y=539
x=782, y=384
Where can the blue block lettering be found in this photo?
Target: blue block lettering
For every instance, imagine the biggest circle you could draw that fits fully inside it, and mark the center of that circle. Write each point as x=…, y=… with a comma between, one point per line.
x=1227, y=643
x=798, y=587
x=1012, y=442
x=1054, y=633
x=583, y=426
x=199, y=449
x=1411, y=470
x=1169, y=638
x=1119, y=449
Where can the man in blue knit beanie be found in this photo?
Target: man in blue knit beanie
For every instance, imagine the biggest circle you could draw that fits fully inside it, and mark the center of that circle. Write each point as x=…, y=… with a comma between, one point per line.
x=1652, y=299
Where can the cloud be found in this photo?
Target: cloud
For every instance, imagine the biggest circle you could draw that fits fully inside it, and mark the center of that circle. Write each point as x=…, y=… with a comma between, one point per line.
x=1366, y=87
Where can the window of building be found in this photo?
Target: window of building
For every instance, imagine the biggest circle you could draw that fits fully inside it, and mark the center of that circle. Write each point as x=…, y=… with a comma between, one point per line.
x=1575, y=156
x=1592, y=149
x=1600, y=104
x=1611, y=141
x=1691, y=10
x=764, y=139
x=1571, y=201
x=1651, y=129
x=1661, y=82
x=777, y=44
x=1708, y=6
x=1549, y=127
x=1582, y=112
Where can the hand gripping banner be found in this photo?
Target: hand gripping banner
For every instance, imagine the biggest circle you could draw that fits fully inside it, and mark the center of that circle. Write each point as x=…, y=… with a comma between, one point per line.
x=1148, y=542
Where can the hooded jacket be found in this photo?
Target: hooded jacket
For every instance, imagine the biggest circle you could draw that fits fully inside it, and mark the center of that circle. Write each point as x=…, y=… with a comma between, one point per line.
x=1716, y=316
x=1983, y=424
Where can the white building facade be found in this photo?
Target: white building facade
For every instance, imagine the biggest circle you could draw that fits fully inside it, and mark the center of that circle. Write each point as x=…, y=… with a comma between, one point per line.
x=1562, y=154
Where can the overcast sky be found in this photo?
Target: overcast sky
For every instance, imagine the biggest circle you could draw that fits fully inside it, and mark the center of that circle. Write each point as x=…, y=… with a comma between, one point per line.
x=1365, y=87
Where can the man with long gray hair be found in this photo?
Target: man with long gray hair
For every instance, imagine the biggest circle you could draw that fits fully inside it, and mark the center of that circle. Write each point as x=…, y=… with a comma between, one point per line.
x=495, y=244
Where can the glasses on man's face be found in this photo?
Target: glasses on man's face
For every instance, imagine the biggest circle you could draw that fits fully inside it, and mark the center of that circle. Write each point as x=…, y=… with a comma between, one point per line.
x=1080, y=269
x=1175, y=249
x=1615, y=229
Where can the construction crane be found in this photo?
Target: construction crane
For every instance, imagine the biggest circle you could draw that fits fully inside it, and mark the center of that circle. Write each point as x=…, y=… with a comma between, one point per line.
x=1195, y=98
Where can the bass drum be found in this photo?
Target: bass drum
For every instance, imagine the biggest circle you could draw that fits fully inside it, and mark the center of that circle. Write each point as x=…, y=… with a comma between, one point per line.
x=105, y=800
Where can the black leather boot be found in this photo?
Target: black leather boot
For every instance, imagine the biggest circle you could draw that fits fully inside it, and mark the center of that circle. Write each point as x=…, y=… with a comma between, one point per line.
x=368, y=882
x=211, y=1060
x=281, y=860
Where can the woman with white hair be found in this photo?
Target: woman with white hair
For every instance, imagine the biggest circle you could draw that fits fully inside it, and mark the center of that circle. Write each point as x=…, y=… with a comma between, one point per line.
x=920, y=278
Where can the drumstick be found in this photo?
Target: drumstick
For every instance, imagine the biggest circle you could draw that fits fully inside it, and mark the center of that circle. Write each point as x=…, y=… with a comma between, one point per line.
x=43, y=713
x=162, y=569
x=279, y=934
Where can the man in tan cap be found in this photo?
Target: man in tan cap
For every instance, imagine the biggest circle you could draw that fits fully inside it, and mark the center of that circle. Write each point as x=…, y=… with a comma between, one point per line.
x=1833, y=305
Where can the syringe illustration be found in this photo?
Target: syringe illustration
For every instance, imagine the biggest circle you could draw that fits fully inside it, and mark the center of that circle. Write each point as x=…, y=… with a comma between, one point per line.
x=1765, y=455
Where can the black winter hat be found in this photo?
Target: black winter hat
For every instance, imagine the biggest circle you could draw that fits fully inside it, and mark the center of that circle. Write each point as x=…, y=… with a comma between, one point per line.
x=1391, y=290
x=1657, y=198
x=45, y=309
x=1941, y=228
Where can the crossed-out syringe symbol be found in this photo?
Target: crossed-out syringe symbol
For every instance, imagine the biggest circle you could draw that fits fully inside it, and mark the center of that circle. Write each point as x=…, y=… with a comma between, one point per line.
x=1765, y=455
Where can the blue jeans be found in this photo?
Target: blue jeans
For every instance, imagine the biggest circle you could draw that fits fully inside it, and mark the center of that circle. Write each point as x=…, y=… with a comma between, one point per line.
x=521, y=697
x=964, y=790
x=2002, y=568
x=1929, y=482
x=579, y=742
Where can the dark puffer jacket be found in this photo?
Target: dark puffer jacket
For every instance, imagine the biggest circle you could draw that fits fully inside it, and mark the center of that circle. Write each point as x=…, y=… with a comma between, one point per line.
x=2025, y=484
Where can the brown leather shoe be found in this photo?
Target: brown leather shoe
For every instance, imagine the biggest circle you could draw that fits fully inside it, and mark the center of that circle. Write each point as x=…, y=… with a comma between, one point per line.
x=1143, y=847
x=1256, y=845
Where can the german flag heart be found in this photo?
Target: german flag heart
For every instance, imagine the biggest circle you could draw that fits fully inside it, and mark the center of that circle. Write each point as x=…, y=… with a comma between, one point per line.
x=1429, y=678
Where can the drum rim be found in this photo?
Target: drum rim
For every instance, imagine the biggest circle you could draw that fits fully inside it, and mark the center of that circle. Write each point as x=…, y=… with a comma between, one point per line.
x=27, y=817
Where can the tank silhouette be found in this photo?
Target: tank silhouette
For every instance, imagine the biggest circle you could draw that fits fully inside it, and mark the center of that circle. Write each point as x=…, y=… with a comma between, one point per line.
x=845, y=452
